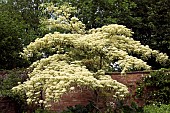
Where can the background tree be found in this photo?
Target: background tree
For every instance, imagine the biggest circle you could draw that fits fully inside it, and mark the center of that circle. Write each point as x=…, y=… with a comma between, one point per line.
x=19, y=25
x=154, y=27
x=31, y=14
x=12, y=35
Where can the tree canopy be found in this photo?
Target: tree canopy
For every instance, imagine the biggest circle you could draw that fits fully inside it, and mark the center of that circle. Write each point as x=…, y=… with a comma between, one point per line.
x=19, y=25
x=154, y=25
x=12, y=33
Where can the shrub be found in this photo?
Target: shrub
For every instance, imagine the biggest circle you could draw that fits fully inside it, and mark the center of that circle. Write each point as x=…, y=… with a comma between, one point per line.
x=121, y=107
x=9, y=80
x=155, y=88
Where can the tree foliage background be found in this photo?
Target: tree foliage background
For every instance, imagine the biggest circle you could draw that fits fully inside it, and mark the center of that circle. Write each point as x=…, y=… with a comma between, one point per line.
x=19, y=25
x=12, y=33
x=149, y=20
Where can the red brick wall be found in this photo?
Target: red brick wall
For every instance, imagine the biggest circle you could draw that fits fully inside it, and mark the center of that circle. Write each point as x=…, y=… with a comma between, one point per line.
x=77, y=97
x=83, y=96
x=130, y=80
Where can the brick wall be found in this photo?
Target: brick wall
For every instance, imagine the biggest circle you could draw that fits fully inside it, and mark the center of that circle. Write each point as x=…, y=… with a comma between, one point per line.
x=77, y=97
x=130, y=80
x=83, y=96
x=7, y=106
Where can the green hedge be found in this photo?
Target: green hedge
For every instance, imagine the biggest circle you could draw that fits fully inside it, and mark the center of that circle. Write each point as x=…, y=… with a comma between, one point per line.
x=156, y=109
x=155, y=88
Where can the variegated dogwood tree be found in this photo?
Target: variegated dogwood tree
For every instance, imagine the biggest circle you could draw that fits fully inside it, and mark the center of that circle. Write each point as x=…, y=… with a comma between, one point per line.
x=80, y=58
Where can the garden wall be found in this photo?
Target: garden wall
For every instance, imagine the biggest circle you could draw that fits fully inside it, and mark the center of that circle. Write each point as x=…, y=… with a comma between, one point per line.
x=83, y=96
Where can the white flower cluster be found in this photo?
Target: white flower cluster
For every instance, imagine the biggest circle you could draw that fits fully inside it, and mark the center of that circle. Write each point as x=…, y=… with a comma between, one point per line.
x=61, y=18
x=115, y=30
x=130, y=62
x=53, y=76
x=112, y=47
